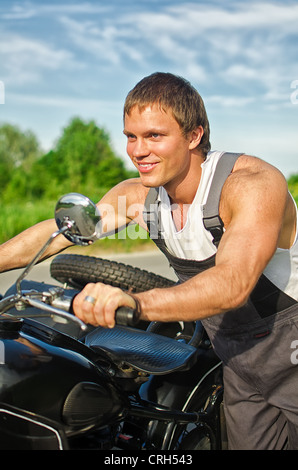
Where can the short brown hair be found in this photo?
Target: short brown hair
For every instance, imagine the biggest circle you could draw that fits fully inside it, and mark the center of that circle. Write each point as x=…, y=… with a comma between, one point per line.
x=172, y=92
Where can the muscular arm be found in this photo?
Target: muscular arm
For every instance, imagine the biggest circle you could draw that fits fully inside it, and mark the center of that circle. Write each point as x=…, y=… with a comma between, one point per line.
x=122, y=205
x=118, y=207
x=253, y=208
x=20, y=250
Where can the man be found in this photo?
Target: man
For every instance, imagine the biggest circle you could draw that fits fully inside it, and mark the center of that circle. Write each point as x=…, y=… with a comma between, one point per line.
x=238, y=267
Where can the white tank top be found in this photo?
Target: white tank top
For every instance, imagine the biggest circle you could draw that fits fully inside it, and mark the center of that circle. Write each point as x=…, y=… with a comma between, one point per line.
x=195, y=242
x=282, y=270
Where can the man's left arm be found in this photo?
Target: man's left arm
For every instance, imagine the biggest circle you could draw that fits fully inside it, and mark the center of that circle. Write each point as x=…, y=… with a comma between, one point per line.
x=252, y=206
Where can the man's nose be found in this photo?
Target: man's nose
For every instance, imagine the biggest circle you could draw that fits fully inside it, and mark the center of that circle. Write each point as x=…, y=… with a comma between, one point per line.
x=140, y=148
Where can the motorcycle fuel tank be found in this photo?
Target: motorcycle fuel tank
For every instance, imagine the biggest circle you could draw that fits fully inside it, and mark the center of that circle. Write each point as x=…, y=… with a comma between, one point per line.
x=49, y=380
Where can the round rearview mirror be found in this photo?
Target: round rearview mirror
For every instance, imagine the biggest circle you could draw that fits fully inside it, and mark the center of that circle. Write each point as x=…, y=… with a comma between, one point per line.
x=81, y=216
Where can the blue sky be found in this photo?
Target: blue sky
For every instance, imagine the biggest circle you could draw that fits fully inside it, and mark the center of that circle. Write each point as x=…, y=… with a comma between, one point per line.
x=60, y=59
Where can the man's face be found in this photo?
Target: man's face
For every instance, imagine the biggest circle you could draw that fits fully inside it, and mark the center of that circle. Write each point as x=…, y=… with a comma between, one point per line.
x=156, y=146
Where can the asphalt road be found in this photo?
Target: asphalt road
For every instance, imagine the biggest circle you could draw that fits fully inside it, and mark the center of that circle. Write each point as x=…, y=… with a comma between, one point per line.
x=151, y=261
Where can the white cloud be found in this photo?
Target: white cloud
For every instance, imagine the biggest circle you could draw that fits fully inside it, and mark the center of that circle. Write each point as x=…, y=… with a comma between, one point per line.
x=24, y=60
x=239, y=16
x=32, y=9
x=43, y=54
x=237, y=44
x=229, y=101
x=64, y=102
x=104, y=43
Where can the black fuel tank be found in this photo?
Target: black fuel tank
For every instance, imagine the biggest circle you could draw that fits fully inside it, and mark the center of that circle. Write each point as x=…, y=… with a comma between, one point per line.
x=52, y=375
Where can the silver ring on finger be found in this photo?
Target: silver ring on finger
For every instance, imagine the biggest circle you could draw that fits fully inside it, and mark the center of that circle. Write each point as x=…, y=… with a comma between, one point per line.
x=90, y=299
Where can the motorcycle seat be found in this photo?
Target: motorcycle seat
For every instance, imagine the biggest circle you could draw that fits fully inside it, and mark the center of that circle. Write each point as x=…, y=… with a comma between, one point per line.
x=142, y=350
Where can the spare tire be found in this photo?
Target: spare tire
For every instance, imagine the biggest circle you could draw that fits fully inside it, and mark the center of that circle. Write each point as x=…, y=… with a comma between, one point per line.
x=78, y=270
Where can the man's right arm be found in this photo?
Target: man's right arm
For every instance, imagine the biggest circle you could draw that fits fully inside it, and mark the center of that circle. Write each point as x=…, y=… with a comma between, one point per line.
x=120, y=206
x=20, y=250
x=123, y=205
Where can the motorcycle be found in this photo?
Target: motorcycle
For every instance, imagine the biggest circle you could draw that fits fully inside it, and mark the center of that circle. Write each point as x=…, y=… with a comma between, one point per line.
x=67, y=385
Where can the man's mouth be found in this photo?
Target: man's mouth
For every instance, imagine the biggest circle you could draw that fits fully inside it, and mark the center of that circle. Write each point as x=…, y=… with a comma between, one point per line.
x=146, y=167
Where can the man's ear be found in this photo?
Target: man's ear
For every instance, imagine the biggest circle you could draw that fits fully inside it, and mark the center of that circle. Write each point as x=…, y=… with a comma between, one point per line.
x=195, y=137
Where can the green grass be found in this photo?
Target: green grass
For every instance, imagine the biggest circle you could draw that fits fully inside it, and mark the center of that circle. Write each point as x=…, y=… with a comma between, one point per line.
x=16, y=218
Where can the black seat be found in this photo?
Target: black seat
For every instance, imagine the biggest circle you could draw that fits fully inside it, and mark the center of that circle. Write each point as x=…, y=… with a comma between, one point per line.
x=142, y=350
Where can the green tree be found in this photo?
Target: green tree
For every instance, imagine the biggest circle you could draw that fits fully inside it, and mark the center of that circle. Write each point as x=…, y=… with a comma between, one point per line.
x=293, y=186
x=17, y=150
x=81, y=161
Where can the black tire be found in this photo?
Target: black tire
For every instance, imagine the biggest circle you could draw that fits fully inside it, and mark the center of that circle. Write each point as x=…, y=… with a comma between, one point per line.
x=198, y=439
x=79, y=270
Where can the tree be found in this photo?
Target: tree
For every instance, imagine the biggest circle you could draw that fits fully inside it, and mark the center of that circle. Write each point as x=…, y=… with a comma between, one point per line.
x=293, y=186
x=81, y=161
x=17, y=150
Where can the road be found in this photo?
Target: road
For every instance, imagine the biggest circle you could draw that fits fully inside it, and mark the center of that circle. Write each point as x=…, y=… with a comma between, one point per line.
x=151, y=261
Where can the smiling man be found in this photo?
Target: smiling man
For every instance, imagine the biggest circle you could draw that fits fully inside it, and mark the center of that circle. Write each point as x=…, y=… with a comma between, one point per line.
x=228, y=226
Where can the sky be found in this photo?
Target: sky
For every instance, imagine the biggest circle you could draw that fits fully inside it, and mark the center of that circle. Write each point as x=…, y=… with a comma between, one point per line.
x=60, y=59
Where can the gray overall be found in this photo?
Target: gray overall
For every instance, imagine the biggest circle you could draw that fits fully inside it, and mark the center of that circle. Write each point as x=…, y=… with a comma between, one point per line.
x=254, y=342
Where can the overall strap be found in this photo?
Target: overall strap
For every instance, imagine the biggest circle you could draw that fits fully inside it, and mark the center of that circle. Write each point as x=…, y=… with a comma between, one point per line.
x=211, y=218
x=151, y=214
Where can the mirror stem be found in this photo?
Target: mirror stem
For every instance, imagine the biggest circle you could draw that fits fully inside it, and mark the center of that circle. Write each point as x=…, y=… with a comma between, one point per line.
x=39, y=254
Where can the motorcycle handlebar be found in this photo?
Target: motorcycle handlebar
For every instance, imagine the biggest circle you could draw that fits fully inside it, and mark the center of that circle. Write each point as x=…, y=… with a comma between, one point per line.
x=126, y=316
x=62, y=305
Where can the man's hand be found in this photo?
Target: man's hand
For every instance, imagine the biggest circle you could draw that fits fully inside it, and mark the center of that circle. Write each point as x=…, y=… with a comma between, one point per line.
x=97, y=303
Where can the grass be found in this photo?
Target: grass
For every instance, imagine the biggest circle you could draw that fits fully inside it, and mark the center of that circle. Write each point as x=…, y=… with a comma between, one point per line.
x=16, y=218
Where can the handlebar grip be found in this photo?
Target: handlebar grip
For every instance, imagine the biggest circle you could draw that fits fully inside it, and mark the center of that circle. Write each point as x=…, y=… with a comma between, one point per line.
x=126, y=316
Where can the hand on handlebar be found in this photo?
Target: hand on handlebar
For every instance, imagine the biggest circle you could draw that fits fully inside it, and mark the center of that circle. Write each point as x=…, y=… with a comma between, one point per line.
x=98, y=303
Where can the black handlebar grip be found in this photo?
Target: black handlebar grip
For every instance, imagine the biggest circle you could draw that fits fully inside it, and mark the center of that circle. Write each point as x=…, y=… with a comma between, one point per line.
x=126, y=316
